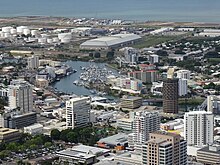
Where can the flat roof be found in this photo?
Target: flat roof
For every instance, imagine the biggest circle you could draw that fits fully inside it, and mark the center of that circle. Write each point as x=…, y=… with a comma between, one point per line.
x=4, y=131
x=34, y=126
x=165, y=133
x=206, y=149
x=79, y=99
x=111, y=40
x=76, y=154
x=131, y=98
x=88, y=149
x=120, y=138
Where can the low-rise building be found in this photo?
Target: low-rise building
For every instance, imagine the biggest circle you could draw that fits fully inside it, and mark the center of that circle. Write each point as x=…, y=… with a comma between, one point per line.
x=209, y=155
x=81, y=154
x=125, y=124
x=129, y=158
x=9, y=135
x=118, y=141
x=20, y=121
x=130, y=102
x=147, y=76
x=42, y=83
x=34, y=129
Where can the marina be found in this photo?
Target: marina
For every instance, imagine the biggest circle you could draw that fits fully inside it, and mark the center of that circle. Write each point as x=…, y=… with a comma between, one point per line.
x=87, y=73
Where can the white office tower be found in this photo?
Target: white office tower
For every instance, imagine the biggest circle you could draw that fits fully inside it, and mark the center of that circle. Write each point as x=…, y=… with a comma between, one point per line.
x=144, y=123
x=77, y=112
x=182, y=87
x=153, y=58
x=131, y=55
x=185, y=74
x=213, y=104
x=198, y=128
x=33, y=62
x=20, y=96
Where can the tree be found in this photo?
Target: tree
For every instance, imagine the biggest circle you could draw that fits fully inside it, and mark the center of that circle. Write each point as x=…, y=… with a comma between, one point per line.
x=179, y=52
x=48, y=144
x=72, y=137
x=90, y=54
x=97, y=55
x=55, y=134
x=12, y=146
x=110, y=55
x=63, y=135
x=162, y=53
x=212, y=54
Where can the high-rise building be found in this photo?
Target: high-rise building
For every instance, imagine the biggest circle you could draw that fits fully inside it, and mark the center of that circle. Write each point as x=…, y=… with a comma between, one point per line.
x=131, y=55
x=213, y=104
x=170, y=95
x=164, y=148
x=131, y=102
x=33, y=62
x=129, y=83
x=153, y=58
x=147, y=67
x=185, y=74
x=144, y=123
x=198, y=127
x=77, y=112
x=20, y=96
x=147, y=76
x=182, y=87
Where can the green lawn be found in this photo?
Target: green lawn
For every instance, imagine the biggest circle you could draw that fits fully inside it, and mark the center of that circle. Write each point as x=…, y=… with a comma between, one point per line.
x=148, y=41
x=213, y=60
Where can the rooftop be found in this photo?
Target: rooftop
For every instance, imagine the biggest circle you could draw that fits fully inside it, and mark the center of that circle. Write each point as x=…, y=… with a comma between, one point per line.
x=131, y=98
x=5, y=131
x=120, y=138
x=165, y=133
x=111, y=40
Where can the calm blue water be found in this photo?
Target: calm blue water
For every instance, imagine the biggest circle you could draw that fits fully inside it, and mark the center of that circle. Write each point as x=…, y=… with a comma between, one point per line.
x=139, y=10
x=66, y=84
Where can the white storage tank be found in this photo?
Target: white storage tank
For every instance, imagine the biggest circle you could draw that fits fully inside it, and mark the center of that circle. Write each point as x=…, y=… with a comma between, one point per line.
x=1, y=34
x=42, y=40
x=7, y=35
x=56, y=40
x=31, y=39
x=13, y=31
x=26, y=31
x=49, y=41
x=7, y=29
x=65, y=40
x=34, y=32
x=45, y=36
x=65, y=36
x=20, y=29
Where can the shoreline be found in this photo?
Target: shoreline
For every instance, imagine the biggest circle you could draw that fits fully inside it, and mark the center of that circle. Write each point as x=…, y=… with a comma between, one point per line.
x=55, y=21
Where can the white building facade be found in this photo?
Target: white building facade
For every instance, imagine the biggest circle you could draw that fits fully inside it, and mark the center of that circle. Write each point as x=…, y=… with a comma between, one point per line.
x=33, y=62
x=198, y=128
x=143, y=124
x=183, y=74
x=20, y=96
x=183, y=87
x=77, y=112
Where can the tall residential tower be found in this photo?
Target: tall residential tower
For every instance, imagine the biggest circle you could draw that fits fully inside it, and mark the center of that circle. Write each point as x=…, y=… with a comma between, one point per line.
x=20, y=96
x=77, y=112
x=198, y=128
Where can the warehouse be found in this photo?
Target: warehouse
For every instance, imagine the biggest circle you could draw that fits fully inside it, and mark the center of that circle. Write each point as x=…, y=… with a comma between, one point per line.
x=108, y=42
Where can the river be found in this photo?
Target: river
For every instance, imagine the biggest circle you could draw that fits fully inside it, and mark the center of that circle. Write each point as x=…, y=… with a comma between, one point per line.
x=66, y=84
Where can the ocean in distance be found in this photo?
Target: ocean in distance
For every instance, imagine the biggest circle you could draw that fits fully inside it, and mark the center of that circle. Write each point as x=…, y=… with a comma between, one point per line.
x=138, y=10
